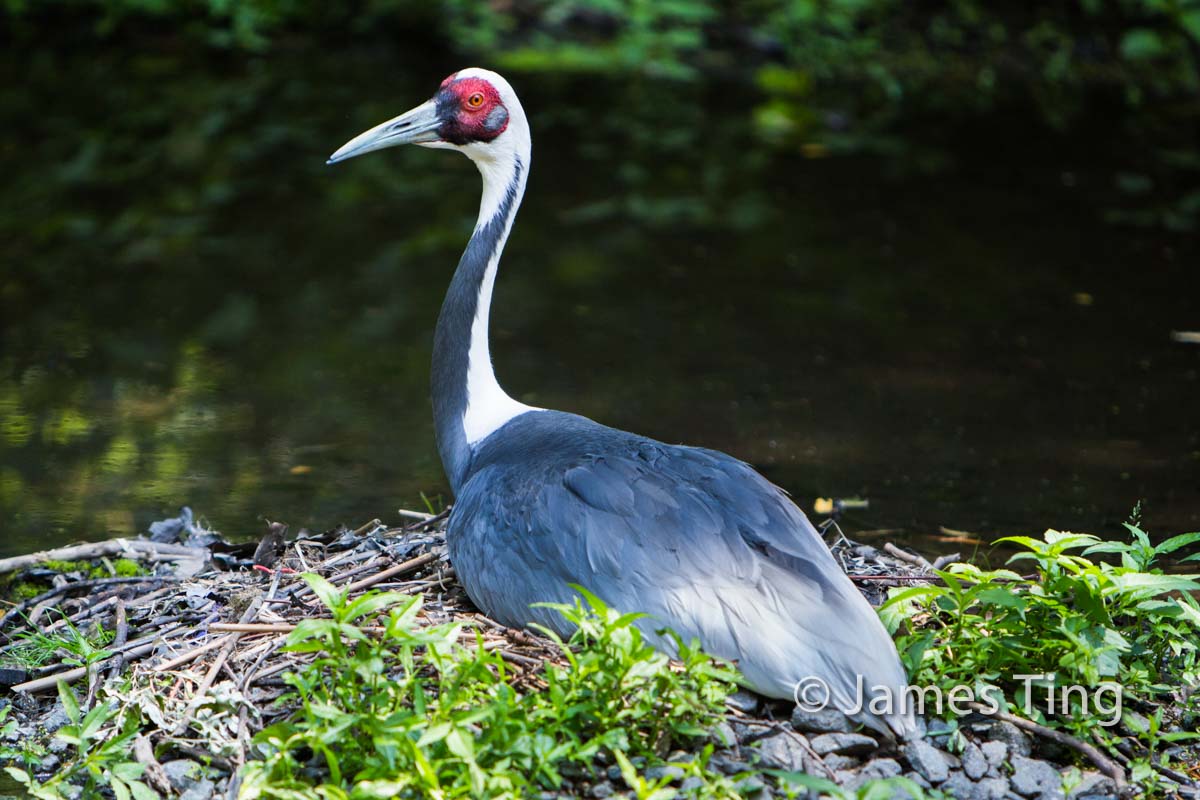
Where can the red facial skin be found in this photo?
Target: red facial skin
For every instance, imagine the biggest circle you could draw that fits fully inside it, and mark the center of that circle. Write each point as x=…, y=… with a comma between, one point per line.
x=464, y=124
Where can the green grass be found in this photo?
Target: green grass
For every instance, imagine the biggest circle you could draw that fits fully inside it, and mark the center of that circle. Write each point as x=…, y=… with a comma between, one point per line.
x=67, y=645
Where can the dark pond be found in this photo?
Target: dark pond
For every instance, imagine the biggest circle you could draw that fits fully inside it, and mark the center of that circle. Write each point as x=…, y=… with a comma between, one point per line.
x=197, y=310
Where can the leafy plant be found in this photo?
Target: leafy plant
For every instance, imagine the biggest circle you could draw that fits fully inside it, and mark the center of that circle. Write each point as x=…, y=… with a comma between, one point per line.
x=432, y=710
x=1073, y=622
x=102, y=740
x=68, y=645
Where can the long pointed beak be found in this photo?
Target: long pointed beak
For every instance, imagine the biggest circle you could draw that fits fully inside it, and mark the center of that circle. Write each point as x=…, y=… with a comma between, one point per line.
x=412, y=127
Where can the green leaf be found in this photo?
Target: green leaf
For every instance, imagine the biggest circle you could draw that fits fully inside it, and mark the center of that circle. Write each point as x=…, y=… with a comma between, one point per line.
x=70, y=704
x=326, y=592
x=143, y=792
x=119, y=789
x=1176, y=542
x=1142, y=44
x=18, y=775
x=128, y=770
x=1000, y=596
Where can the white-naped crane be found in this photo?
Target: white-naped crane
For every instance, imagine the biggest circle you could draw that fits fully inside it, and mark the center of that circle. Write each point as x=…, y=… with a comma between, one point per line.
x=693, y=538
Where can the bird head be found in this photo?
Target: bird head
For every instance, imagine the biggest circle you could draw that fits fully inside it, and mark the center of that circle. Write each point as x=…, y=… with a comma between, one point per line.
x=474, y=111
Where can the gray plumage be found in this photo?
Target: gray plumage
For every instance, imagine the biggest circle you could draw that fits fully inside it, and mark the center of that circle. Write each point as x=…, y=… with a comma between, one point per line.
x=695, y=539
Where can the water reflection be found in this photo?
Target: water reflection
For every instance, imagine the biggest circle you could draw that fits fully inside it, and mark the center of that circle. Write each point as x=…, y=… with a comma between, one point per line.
x=196, y=309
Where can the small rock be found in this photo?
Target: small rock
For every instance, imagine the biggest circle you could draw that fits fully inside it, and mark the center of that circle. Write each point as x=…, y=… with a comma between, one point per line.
x=782, y=752
x=691, y=784
x=669, y=771
x=729, y=766
x=1032, y=777
x=203, y=789
x=1018, y=743
x=723, y=736
x=49, y=763
x=10, y=676
x=601, y=790
x=974, y=764
x=56, y=718
x=918, y=779
x=881, y=768
x=872, y=770
x=991, y=789
x=995, y=752
x=927, y=760
x=743, y=701
x=847, y=744
x=958, y=785
x=1091, y=784
x=828, y=720
x=836, y=762
x=182, y=773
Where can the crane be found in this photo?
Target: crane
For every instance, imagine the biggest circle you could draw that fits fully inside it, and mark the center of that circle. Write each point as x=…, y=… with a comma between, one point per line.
x=694, y=539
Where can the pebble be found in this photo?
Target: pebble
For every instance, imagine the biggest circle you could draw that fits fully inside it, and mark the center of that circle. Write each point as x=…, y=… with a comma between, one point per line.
x=1034, y=778
x=56, y=718
x=958, y=786
x=782, y=751
x=836, y=762
x=996, y=753
x=974, y=763
x=181, y=773
x=873, y=770
x=847, y=744
x=670, y=771
x=828, y=720
x=203, y=789
x=743, y=701
x=991, y=789
x=918, y=779
x=927, y=760
x=1092, y=784
x=723, y=736
x=730, y=766
x=1016, y=739
x=601, y=790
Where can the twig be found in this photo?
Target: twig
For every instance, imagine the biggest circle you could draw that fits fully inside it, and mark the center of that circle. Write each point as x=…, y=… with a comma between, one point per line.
x=70, y=587
x=249, y=614
x=72, y=675
x=111, y=547
x=183, y=658
x=1106, y=764
x=121, y=636
x=406, y=566
x=369, y=526
x=941, y=561
x=904, y=555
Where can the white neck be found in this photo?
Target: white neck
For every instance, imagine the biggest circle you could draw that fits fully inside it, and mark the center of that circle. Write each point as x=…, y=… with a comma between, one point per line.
x=502, y=162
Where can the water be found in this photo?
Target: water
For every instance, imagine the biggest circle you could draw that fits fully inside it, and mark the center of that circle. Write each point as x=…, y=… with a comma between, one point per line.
x=197, y=310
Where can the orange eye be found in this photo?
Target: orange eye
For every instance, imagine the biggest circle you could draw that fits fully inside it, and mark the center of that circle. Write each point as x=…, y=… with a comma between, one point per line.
x=475, y=100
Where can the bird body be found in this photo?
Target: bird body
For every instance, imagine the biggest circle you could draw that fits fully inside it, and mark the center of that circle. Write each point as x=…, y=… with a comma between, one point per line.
x=694, y=539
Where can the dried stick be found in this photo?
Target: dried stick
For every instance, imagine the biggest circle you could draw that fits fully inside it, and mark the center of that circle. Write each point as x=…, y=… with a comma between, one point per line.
x=70, y=587
x=405, y=566
x=122, y=636
x=190, y=655
x=1106, y=765
x=250, y=613
x=904, y=555
x=110, y=547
